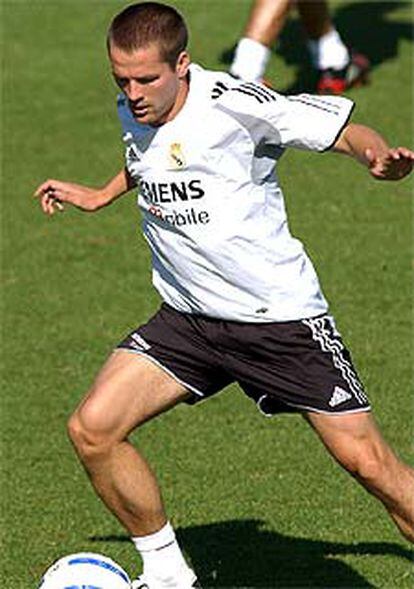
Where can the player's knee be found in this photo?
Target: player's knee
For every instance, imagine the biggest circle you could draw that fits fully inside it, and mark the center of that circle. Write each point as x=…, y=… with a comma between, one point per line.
x=88, y=440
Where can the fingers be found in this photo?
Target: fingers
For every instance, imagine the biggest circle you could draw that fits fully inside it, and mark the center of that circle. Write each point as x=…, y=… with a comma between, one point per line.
x=50, y=204
x=51, y=195
x=51, y=185
x=402, y=153
x=400, y=163
x=394, y=164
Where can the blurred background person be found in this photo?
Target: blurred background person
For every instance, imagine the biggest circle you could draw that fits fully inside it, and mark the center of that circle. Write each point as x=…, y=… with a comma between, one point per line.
x=338, y=68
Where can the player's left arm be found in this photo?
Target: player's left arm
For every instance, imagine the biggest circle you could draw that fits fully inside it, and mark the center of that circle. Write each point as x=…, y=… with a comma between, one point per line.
x=371, y=149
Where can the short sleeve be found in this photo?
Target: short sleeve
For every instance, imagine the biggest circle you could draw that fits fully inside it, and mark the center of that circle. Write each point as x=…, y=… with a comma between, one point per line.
x=311, y=122
x=303, y=121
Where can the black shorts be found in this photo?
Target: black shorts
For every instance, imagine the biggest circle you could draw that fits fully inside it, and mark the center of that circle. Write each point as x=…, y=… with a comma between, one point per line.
x=284, y=367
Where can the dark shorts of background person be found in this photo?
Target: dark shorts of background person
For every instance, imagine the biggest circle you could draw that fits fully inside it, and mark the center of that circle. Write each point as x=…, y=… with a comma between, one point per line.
x=291, y=366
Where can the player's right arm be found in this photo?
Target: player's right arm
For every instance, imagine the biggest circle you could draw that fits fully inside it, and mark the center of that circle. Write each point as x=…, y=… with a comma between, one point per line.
x=52, y=194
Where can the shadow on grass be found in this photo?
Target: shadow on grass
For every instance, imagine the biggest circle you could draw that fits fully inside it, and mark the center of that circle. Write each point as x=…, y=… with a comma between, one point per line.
x=366, y=27
x=244, y=554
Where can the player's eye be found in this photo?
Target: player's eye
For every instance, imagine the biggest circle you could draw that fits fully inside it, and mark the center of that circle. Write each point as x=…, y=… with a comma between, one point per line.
x=147, y=80
x=121, y=82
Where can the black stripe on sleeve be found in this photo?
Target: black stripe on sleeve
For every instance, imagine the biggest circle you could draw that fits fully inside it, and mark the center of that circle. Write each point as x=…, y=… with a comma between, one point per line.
x=318, y=99
x=265, y=92
x=315, y=104
x=244, y=90
x=218, y=90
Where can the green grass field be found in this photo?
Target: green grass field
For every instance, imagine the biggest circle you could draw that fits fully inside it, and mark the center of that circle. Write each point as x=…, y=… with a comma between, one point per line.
x=256, y=502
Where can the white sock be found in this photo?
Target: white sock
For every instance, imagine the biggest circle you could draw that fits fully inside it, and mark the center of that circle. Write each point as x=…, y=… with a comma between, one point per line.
x=328, y=51
x=250, y=60
x=163, y=561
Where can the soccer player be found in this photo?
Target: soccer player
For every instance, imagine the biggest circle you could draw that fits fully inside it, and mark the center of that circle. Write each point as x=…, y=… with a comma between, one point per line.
x=338, y=68
x=242, y=301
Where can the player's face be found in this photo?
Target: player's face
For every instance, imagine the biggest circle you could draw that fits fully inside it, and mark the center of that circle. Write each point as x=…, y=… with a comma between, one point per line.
x=155, y=90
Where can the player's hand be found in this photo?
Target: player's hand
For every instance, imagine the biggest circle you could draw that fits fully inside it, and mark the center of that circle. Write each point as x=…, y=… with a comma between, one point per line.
x=393, y=165
x=52, y=195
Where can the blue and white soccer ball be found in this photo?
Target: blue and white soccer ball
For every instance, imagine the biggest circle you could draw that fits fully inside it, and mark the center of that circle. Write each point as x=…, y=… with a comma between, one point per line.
x=85, y=570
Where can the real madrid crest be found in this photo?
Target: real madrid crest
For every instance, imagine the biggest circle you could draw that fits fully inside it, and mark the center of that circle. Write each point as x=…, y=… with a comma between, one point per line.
x=176, y=157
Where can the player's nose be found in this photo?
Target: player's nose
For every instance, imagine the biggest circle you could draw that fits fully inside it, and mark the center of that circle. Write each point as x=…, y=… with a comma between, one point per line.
x=134, y=91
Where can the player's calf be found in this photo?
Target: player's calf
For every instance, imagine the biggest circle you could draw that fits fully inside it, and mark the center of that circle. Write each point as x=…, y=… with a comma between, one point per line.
x=357, y=445
x=392, y=482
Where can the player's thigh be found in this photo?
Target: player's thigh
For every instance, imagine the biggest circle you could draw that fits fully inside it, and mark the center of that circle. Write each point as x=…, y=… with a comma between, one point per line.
x=353, y=439
x=129, y=390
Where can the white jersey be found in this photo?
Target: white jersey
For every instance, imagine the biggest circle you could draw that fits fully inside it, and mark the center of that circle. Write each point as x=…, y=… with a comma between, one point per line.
x=213, y=210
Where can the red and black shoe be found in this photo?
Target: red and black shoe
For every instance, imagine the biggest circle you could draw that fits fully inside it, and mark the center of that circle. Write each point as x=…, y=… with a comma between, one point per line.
x=338, y=81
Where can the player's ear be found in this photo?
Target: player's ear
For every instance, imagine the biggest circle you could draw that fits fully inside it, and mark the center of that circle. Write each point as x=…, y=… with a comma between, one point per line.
x=182, y=65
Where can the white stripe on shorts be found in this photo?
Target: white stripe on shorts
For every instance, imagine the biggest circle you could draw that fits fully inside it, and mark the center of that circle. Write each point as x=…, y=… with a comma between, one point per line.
x=324, y=332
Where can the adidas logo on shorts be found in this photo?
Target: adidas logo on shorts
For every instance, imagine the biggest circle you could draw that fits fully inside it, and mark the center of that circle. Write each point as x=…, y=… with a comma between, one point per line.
x=339, y=396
